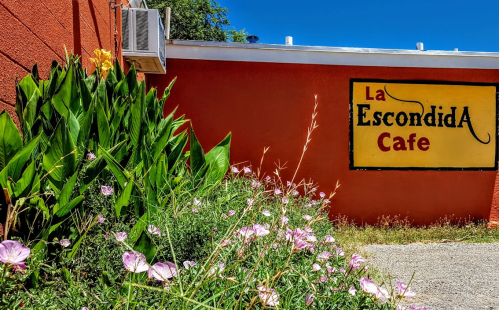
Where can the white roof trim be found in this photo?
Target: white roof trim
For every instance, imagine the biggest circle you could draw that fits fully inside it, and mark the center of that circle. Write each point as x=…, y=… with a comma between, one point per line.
x=320, y=55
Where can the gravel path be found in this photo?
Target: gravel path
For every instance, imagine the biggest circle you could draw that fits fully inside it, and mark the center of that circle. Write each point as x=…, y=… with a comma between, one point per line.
x=448, y=275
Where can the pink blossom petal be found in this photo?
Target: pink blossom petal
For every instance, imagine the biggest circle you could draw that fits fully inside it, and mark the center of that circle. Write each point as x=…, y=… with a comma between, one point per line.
x=135, y=262
x=65, y=243
x=13, y=252
x=268, y=296
x=106, y=190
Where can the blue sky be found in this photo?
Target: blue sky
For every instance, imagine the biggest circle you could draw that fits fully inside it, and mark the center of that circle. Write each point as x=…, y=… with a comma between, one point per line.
x=399, y=24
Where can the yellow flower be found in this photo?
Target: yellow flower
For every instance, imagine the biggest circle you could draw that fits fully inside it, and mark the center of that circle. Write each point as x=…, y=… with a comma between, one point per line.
x=102, y=61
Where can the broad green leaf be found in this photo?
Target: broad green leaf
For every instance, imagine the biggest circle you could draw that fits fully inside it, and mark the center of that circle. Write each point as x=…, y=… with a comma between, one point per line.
x=22, y=186
x=16, y=164
x=66, y=95
x=74, y=126
x=197, y=159
x=122, y=176
x=86, y=95
x=137, y=229
x=68, y=207
x=85, y=129
x=76, y=246
x=31, y=109
x=28, y=86
x=145, y=246
x=177, y=149
x=102, y=125
x=131, y=79
x=124, y=198
x=218, y=159
x=34, y=73
x=118, y=71
x=65, y=194
x=60, y=159
x=10, y=139
x=162, y=138
x=162, y=172
x=137, y=114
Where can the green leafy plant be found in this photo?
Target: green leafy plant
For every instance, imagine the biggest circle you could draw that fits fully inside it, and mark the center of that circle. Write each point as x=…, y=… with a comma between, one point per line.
x=77, y=128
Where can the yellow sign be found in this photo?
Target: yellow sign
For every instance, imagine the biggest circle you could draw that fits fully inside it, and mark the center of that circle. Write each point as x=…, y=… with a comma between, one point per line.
x=423, y=125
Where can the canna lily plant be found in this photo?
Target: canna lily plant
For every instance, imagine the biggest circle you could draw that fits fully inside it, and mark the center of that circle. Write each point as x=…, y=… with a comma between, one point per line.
x=75, y=128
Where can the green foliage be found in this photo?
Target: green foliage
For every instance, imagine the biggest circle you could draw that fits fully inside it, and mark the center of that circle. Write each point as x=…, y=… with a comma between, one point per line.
x=82, y=131
x=202, y=20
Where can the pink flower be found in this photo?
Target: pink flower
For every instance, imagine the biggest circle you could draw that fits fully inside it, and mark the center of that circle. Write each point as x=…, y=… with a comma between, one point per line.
x=91, y=156
x=101, y=219
x=277, y=191
x=368, y=286
x=284, y=220
x=309, y=300
x=84, y=308
x=255, y=184
x=311, y=238
x=234, y=169
x=308, y=229
x=194, y=210
x=260, y=230
x=231, y=213
x=121, y=236
x=300, y=244
x=285, y=200
x=106, y=235
x=162, y=271
x=404, y=291
x=352, y=291
x=330, y=269
x=196, y=202
x=188, y=264
x=322, y=194
x=340, y=252
x=267, y=178
x=266, y=212
x=328, y=239
x=65, y=243
x=106, y=190
x=246, y=232
x=249, y=201
x=295, y=192
x=247, y=170
x=382, y=294
x=13, y=253
x=322, y=279
x=268, y=296
x=135, y=262
x=316, y=267
x=153, y=230
x=324, y=256
x=225, y=243
x=327, y=201
x=356, y=261
x=307, y=217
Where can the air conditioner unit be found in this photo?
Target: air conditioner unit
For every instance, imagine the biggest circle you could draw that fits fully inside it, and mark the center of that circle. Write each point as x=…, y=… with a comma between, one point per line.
x=144, y=40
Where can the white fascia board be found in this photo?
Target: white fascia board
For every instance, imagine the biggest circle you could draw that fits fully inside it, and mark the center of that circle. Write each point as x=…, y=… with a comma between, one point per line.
x=319, y=55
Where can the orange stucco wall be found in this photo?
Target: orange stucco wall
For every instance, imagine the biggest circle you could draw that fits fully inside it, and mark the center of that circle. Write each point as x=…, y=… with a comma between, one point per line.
x=37, y=31
x=270, y=105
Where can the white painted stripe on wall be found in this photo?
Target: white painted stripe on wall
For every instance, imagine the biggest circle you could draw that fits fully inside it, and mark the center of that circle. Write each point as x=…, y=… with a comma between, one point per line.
x=177, y=49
